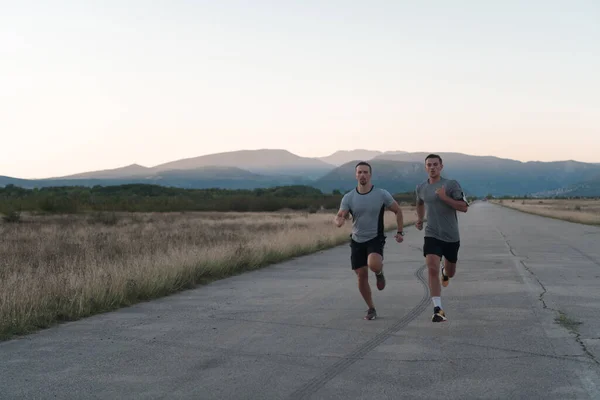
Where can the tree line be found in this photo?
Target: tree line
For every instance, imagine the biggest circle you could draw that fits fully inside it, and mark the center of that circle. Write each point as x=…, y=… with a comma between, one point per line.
x=156, y=198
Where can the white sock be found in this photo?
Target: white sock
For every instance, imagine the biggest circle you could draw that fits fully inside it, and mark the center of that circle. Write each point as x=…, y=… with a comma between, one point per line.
x=437, y=302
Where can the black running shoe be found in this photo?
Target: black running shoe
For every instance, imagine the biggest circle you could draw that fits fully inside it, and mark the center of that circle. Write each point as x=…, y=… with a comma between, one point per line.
x=380, y=280
x=438, y=315
x=371, y=314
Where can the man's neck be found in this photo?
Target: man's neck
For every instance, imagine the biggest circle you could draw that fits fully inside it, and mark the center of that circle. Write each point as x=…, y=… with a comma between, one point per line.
x=364, y=189
x=436, y=179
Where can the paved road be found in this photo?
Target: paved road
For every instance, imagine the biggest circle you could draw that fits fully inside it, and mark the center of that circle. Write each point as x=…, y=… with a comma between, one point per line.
x=295, y=330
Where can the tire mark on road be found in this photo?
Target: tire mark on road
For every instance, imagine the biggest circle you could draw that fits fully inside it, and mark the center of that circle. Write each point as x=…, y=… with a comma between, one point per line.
x=317, y=383
x=584, y=254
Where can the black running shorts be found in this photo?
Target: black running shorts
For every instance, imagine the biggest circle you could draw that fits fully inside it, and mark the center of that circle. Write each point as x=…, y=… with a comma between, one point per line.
x=360, y=251
x=448, y=250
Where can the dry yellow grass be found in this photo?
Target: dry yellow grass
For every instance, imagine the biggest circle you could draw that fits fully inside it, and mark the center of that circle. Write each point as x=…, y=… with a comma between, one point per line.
x=584, y=211
x=68, y=267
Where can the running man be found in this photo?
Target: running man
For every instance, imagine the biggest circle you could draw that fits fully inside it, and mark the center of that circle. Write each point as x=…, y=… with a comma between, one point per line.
x=367, y=206
x=443, y=198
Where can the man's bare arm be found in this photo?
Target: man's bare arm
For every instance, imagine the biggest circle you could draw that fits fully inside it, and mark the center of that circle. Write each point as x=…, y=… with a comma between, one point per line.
x=340, y=218
x=420, y=215
x=421, y=211
x=395, y=208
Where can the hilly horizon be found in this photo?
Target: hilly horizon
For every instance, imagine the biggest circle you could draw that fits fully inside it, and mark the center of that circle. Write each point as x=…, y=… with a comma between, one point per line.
x=394, y=176
x=199, y=178
x=398, y=170
x=260, y=161
x=263, y=161
x=121, y=172
x=588, y=188
x=341, y=157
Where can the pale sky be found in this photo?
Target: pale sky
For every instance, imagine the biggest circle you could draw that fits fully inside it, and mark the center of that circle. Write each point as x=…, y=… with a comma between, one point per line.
x=87, y=85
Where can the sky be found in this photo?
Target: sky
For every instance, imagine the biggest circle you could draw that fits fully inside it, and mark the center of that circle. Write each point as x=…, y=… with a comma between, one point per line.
x=103, y=84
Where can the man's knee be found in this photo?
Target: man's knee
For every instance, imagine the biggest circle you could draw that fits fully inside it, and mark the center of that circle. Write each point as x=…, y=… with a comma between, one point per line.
x=362, y=274
x=433, y=263
x=375, y=261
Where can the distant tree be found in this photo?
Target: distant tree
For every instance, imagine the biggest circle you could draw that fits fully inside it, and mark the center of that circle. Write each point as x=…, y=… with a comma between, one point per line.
x=156, y=198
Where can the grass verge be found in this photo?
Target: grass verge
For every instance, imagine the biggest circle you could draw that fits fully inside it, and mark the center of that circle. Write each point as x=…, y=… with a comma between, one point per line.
x=577, y=211
x=63, y=268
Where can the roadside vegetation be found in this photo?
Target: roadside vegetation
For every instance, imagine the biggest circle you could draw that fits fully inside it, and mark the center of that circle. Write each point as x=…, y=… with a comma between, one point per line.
x=68, y=253
x=582, y=210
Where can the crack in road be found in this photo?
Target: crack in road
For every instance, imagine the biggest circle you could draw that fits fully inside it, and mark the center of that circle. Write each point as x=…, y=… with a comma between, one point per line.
x=568, y=357
x=544, y=290
x=576, y=335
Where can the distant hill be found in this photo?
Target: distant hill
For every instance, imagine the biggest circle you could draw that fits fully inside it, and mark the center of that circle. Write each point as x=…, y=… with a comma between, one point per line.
x=394, y=176
x=344, y=156
x=499, y=176
x=223, y=177
x=199, y=178
x=398, y=171
x=128, y=171
x=588, y=188
x=24, y=183
x=265, y=161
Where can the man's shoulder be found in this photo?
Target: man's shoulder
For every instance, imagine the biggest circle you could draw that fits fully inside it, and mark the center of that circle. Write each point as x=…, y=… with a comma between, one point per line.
x=385, y=196
x=349, y=194
x=422, y=184
x=450, y=182
x=382, y=190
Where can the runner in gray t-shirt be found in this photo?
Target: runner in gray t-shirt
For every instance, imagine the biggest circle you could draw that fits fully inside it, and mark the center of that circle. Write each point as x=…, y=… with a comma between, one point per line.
x=367, y=205
x=441, y=198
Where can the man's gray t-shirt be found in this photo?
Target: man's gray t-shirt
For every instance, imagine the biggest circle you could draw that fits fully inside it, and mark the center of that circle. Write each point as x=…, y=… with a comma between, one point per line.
x=367, y=212
x=442, y=220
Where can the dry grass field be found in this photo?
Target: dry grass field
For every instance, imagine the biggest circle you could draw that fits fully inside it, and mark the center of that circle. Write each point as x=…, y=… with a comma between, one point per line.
x=60, y=268
x=585, y=211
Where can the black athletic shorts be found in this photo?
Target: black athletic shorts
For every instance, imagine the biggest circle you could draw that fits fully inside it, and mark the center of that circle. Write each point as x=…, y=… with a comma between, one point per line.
x=360, y=251
x=448, y=250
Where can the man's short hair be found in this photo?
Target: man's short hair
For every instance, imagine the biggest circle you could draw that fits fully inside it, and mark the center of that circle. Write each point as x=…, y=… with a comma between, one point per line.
x=363, y=163
x=434, y=156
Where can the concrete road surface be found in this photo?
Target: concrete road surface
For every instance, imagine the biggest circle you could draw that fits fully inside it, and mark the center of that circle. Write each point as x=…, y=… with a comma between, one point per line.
x=524, y=323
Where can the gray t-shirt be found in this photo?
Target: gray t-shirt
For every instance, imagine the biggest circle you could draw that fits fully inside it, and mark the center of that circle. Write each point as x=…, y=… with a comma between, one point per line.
x=442, y=220
x=367, y=212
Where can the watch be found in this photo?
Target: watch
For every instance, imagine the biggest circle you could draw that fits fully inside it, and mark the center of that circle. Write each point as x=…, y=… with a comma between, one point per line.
x=401, y=233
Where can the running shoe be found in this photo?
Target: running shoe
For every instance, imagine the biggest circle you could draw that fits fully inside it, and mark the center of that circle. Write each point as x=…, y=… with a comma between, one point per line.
x=380, y=280
x=438, y=315
x=371, y=314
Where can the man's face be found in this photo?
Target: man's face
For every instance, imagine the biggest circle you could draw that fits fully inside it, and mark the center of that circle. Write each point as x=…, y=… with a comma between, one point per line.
x=433, y=166
x=362, y=174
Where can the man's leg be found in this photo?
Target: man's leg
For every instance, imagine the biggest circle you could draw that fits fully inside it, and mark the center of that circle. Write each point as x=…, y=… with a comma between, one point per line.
x=362, y=274
x=433, y=266
x=450, y=252
x=449, y=269
x=433, y=254
x=375, y=260
x=359, y=265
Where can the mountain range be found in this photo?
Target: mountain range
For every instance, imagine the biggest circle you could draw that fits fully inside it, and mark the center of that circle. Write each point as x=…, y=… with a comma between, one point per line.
x=397, y=171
